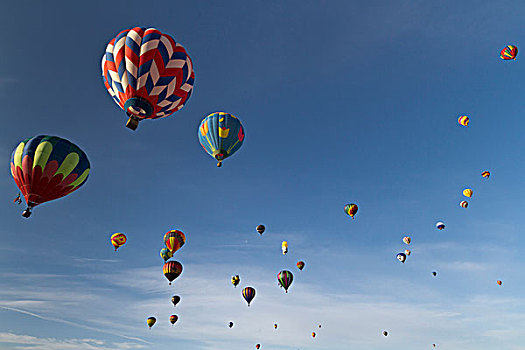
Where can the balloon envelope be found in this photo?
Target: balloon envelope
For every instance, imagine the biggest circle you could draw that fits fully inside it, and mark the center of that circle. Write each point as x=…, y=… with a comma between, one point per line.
x=509, y=52
x=118, y=239
x=463, y=120
x=174, y=240
x=151, y=321
x=285, y=279
x=260, y=229
x=172, y=270
x=175, y=300
x=173, y=319
x=300, y=265
x=48, y=167
x=148, y=74
x=248, y=294
x=351, y=209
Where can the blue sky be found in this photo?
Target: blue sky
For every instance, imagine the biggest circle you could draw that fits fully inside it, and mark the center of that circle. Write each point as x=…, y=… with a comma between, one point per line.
x=341, y=102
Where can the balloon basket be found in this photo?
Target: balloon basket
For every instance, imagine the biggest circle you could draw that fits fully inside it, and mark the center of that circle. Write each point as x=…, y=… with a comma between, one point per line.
x=132, y=123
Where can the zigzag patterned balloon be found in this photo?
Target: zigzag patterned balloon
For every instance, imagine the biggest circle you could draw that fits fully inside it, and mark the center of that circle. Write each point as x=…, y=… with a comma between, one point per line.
x=147, y=73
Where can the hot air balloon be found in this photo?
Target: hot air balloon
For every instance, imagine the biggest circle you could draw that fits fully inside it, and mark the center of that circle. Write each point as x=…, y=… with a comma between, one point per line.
x=434, y=273
x=235, y=280
x=174, y=240
x=151, y=321
x=440, y=225
x=313, y=334
x=230, y=324
x=284, y=247
x=248, y=294
x=118, y=240
x=46, y=168
x=285, y=279
x=275, y=326
x=258, y=346
x=463, y=204
x=351, y=209
x=165, y=254
x=509, y=52
x=260, y=229
x=221, y=135
x=401, y=257
x=485, y=174
x=407, y=252
x=385, y=333
x=300, y=265
x=467, y=192
x=407, y=240
x=499, y=282
x=463, y=120
x=148, y=74
x=173, y=319
x=175, y=300
x=319, y=326
x=172, y=270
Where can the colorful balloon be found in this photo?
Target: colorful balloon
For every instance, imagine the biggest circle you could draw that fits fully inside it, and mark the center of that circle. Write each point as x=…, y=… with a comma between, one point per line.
x=509, y=52
x=463, y=120
x=285, y=279
x=467, y=192
x=235, y=280
x=463, y=204
x=165, y=254
x=401, y=257
x=248, y=294
x=319, y=326
x=173, y=319
x=284, y=247
x=175, y=300
x=172, y=270
x=351, y=209
x=148, y=74
x=407, y=240
x=499, y=282
x=485, y=174
x=275, y=326
x=300, y=265
x=258, y=346
x=260, y=229
x=221, y=134
x=313, y=334
x=385, y=333
x=407, y=252
x=151, y=321
x=434, y=273
x=174, y=240
x=440, y=225
x=118, y=240
x=46, y=168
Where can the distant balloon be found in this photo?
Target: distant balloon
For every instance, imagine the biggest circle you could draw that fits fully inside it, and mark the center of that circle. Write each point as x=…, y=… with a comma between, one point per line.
x=235, y=280
x=175, y=300
x=319, y=326
x=118, y=240
x=248, y=294
x=401, y=257
x=499, y=282
x=285, y=279
x=148, y=74
x=221, y=134
x=463, y=204
x=275, y=326
x=509, y=52
x=434, y=273
x=407, y=252
x=260, y=229
x=46, y=168
x=165, y=254
x=284, y=247
x=230, y=324
x=300, y=265
x=467, y=192
x=172, y=270
x=313, y=334
x=174, y=240
x=173, y=319
x=351, y=209
x=463, y=120
x=440, y=225
x=151, y=321
x=258, y=346
x=407, y=240
x=485, y=174
x=385, y=333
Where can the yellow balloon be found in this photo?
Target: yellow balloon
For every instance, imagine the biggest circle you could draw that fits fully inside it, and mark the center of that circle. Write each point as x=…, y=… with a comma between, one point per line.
x=467, y=192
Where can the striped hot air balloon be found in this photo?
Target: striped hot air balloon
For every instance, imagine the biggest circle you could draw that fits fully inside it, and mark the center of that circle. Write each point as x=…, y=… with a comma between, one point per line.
x=486, y=174
x=248, y=294
x=174, y=240
x=509, y=52
x=463, y=120
x=351, y=209
x=172, y=270
x=285, y=279
x=148, y=74
x=221, y=134
x=173, y=319
x=463, y=204
x=46, y=168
